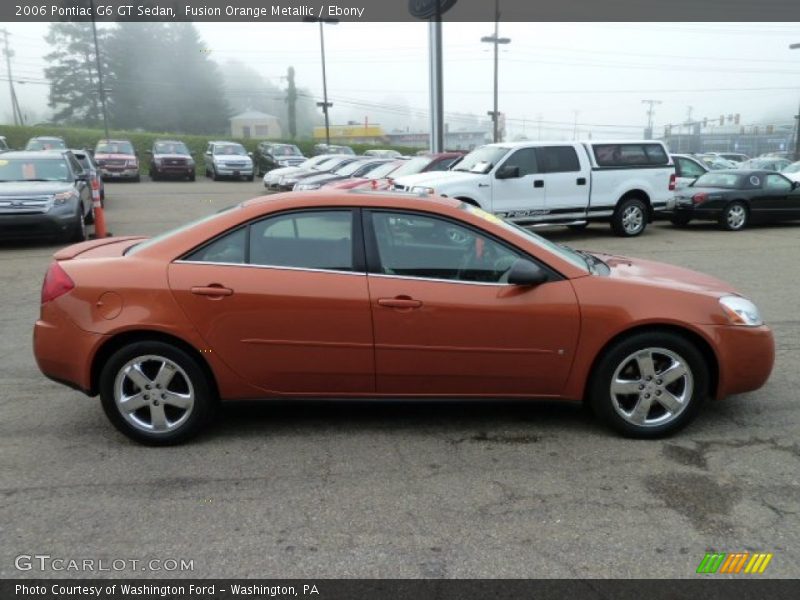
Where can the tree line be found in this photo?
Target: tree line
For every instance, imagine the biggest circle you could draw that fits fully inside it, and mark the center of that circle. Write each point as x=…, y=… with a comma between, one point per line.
x=161, y=77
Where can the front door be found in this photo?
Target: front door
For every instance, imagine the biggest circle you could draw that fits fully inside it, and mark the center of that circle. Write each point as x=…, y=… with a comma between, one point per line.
x=522, y=196
x=447, y=323
x=284, y=303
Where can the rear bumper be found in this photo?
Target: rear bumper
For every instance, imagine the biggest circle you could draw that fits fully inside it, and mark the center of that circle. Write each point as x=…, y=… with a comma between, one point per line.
x=63, y=351
x=746, y=356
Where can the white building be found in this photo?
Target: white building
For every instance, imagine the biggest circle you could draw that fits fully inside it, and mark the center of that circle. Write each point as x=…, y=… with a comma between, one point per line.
x=255, y=124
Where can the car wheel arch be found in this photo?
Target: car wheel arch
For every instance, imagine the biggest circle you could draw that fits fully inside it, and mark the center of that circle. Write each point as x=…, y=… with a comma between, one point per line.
x=468, y=200
x=119, y=340
x=701, y=343
x=640, y=195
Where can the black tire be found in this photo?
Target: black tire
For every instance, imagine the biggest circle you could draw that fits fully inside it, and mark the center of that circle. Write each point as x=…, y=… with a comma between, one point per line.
x=630, y=217
x=154, y=175
x=137, y=179
x=734, y=217
x=251, y=178
x=610, y=408
x=192, y=177
x=78, y=233
x=90, y=215
x=186, y=426
x=578, y=226
x=214, y=175
x=680, y=220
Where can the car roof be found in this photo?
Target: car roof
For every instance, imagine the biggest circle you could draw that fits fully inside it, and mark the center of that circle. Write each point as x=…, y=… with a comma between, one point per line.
x=167, y=142
x=47, y=137
x=113, y=141
x=224, y=143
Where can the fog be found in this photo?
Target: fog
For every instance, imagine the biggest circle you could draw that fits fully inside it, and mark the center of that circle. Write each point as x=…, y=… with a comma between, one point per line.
x=556, y=80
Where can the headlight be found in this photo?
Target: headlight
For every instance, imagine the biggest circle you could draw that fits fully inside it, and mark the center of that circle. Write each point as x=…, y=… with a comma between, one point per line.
x=422, y=190
x=63, y=197
x=740, y=311
x=157, y=162
x=287, y=181
x=133, y=164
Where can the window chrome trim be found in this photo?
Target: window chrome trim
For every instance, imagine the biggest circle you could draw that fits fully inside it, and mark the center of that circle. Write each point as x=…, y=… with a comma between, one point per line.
x=271, y=267
x=435, y=279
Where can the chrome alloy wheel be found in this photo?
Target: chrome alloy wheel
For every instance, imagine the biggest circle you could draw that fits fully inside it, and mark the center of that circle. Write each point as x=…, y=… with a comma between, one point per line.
x=651, y=387
x=736, y=216
x=153, y=394
x=632, y=219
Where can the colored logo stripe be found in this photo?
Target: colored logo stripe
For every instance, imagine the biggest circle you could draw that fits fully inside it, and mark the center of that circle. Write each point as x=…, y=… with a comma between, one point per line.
x=734, y=562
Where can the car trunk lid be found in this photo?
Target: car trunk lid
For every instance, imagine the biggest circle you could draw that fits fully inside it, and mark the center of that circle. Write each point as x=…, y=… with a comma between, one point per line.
x=105, y=247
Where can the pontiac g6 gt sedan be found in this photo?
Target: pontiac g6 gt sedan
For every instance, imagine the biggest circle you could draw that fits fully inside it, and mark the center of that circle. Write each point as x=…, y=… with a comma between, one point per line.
x=311, y=295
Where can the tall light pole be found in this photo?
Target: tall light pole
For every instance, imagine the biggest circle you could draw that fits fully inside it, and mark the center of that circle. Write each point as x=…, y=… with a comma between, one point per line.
x=797, y=118
x=650, y=112
x=100, y=87
x=494, y=39
x=325, y=105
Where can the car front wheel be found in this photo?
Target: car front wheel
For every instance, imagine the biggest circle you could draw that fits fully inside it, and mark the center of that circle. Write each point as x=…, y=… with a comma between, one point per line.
x=649, y=385
x=155, y=393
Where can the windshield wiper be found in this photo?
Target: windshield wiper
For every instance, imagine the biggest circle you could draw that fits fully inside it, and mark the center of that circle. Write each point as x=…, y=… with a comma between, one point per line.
x=590, y=259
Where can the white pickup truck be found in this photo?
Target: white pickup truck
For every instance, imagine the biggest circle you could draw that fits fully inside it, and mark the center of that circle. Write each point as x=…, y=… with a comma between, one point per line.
x=567, y=183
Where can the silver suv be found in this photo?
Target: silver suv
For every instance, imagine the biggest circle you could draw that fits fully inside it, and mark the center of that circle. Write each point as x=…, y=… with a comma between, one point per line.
x=228, y=159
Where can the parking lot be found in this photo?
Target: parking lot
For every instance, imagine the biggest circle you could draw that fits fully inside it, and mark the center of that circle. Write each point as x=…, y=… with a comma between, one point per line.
x=398, y=489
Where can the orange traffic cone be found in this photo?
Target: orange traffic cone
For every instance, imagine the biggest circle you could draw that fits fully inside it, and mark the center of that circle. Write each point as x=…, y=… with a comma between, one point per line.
x=99, y=213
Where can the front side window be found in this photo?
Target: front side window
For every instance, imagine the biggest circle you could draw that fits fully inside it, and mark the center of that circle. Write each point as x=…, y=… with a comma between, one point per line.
x=524, y=160
x=412, y=245
x=307, y=240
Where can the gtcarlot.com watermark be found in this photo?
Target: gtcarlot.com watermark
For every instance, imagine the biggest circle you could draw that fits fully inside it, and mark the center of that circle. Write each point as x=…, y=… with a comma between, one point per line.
x=46, y=562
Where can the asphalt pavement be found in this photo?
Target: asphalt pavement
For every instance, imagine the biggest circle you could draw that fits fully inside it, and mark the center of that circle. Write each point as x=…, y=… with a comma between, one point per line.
x=402, y=489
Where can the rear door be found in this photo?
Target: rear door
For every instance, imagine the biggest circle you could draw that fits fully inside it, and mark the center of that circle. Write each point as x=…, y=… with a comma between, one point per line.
x=521, y=196
x=447, y=323
x=284, y=302
x=566, y=185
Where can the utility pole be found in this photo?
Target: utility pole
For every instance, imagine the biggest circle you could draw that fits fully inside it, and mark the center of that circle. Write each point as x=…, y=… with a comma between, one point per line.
x=575, y=127
x=797, y=118
x=14, y=103
x=324, y=105
x=100, y=87
x=648, y=133
x=291, y=100
x=494, y=39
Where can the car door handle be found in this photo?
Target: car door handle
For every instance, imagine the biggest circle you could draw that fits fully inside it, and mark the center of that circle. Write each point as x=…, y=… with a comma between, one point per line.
x=483, y=185
x=581, y=181
x=214, y=290
x=538, y=183
x=399, y=302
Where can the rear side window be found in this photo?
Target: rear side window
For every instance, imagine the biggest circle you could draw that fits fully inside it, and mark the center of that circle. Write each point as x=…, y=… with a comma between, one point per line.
x=630, y=155
x=557, y=159
x=228, y=248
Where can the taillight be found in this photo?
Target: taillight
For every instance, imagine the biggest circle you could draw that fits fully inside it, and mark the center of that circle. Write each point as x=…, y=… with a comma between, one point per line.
x=672, y=182
x=56, y=283
x=698, y=198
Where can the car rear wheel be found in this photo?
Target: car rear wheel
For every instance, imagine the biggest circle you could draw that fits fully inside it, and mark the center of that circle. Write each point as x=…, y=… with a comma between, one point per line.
x=630, y=217
x=649, y=385
x=155, y=393
x=734, y=217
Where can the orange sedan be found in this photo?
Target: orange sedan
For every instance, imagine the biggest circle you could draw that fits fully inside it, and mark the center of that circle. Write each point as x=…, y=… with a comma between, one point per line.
x=385, y=296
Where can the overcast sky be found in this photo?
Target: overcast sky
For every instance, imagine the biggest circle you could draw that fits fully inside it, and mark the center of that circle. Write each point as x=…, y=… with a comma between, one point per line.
x=548, y=71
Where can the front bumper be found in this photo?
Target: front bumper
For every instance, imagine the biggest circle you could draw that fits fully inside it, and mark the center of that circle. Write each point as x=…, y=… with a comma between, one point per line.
x=110, y=173
x=37, y=225
x=746, y=356
x=225, y=171
x=174, y=170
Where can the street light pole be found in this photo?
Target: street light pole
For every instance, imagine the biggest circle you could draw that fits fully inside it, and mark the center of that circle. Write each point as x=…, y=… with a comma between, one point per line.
x=325, y=105
x=797, y=118
x=494, y=39
x=101, y=87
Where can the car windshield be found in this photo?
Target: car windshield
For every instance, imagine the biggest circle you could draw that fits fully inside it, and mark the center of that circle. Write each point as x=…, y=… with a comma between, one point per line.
x=230, y=149
x=46, y=144
x=34, y=169
x=792, y=168
x=329, y=164
x=286, y=151
x=563, y=252
x=170, y=148
x=350, y=168
x=341, y=149
x=382, y=170
x=718, y=180
x=114, y=148
x=482, y=159
x=413, y=166
x=311, y=163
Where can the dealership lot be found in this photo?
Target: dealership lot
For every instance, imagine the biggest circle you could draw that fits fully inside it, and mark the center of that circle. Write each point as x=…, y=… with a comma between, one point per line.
x=404, y=489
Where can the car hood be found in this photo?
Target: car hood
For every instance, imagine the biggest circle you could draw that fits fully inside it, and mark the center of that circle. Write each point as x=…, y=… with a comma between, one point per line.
x=434, y=179
x=284, y=171
x=664, y=275
x=99, y=156
x=34, y=188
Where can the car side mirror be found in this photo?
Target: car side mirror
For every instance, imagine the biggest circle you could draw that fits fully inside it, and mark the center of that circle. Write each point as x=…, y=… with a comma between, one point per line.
x=507, y=172
x=250, y=154
x=82, y=176
x=795, y=185
x=527, y=273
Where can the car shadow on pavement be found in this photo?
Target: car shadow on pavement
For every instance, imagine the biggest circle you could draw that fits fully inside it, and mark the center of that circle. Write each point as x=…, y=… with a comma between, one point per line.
x=444, y=418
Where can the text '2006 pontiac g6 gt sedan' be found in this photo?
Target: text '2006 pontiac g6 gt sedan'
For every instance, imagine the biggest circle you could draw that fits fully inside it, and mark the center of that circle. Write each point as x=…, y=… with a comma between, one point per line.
x=370, y=295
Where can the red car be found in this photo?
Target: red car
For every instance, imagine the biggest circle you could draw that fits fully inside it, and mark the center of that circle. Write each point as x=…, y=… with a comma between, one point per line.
x=116, y=159
x=419, y=164
x=310, y=295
